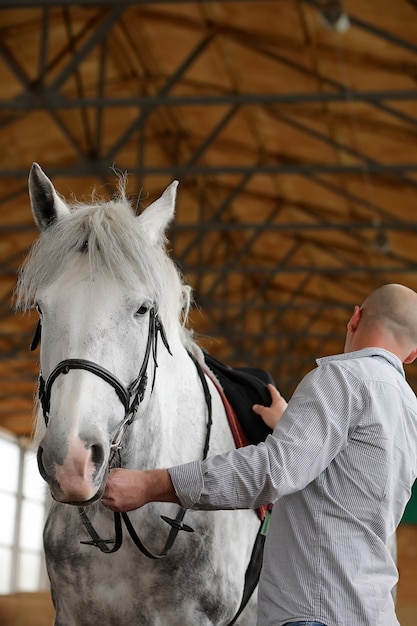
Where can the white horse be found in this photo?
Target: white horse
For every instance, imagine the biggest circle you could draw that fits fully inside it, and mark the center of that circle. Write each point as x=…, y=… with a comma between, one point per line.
x=113, y=395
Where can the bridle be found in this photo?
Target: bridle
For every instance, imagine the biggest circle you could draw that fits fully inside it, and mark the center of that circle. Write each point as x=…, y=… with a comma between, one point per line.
x=130, y=397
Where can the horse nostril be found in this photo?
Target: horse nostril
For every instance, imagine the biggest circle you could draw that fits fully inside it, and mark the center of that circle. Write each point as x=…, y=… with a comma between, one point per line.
x=97, y=454
x=40, y=463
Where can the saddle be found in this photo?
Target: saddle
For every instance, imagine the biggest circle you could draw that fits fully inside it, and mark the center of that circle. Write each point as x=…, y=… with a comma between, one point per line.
x=243, y=387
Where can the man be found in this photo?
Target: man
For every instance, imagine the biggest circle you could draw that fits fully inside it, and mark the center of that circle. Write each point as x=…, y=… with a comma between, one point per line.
x=339, y=467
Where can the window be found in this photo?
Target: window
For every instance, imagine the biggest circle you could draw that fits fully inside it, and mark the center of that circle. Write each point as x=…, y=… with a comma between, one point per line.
x=23, y=507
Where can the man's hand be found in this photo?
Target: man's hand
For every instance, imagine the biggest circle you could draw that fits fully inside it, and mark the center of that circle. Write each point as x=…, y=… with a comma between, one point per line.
x=271, y=414
x=128, y=489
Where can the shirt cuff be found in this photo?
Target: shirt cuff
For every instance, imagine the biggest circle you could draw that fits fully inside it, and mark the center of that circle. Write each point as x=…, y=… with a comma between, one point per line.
x=188, y=483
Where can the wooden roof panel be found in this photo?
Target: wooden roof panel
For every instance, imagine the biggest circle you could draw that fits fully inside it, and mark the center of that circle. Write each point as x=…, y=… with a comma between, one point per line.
x=294, y=145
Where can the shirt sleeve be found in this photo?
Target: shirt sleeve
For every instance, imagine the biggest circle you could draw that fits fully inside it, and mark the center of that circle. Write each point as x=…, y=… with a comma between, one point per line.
x=324, y=410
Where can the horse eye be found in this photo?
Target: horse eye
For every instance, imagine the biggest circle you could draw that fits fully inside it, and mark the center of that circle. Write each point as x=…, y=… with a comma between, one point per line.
x=142, y=310
x=38, y=308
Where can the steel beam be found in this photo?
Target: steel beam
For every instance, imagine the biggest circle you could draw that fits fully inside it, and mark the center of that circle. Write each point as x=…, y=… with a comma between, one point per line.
x=99, y=33
x=172, y=80
x=291, y=227
x=29, y=101
x=98, y=168
x=35, y=4
x=410, y=268
x=338, y=145
x=349, y=94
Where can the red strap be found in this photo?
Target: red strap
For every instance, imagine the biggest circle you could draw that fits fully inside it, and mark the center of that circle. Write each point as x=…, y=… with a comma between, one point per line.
x=238, y=434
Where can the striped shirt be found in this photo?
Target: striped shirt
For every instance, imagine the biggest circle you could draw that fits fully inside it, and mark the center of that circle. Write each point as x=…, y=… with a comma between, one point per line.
x=339, y=468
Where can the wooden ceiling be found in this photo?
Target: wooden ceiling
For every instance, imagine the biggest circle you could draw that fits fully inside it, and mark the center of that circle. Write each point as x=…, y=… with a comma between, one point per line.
x=290, y=124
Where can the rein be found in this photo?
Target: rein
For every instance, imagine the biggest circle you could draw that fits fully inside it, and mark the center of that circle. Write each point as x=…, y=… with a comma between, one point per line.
x=130, y=397
x=176, y=524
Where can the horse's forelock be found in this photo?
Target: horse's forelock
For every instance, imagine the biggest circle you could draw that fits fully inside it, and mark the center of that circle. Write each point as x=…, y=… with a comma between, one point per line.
x=112, y=237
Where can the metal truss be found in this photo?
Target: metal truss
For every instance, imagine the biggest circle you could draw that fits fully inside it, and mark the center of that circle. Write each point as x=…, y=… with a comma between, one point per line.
x=236, y=281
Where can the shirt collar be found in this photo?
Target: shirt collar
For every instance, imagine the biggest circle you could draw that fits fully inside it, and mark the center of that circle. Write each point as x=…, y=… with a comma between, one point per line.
x=366, y=352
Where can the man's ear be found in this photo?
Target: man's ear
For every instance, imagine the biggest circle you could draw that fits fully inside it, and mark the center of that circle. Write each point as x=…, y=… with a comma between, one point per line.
x=411, y=357
x=353, y=323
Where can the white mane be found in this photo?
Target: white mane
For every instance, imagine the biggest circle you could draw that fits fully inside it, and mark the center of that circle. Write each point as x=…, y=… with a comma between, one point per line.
x=114, y=240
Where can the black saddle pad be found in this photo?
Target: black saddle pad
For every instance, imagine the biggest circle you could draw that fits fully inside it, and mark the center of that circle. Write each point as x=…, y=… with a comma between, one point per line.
x=243, y=387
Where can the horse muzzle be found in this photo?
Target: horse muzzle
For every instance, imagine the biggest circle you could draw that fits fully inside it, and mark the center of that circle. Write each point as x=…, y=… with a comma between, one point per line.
x=79, y=478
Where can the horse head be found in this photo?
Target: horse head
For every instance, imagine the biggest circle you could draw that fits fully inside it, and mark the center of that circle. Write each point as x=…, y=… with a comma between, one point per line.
x=98, y=277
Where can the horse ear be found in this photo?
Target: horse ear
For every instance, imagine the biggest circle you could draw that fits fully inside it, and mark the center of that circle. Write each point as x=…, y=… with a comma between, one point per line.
x=156, y=218
x=47, y=206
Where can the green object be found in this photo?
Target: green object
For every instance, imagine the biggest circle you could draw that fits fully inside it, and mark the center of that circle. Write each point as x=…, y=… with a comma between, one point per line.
x=410, y=513
x=265, y=525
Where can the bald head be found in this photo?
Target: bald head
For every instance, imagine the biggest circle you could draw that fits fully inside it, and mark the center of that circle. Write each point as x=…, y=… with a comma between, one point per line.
x=388, y=319
x=394, y=306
